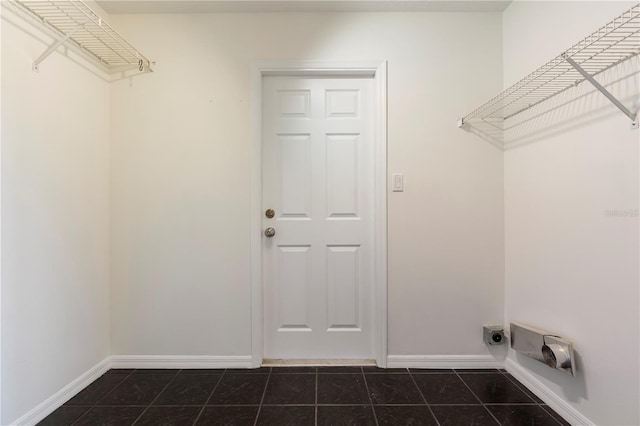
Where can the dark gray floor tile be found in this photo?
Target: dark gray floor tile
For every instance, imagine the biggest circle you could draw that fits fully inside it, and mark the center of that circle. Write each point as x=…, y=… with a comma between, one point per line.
x=121, y=371
x=190, y=389
x=431, y=370
x=169, y=416
x=444, y=389
x=286, y=416
x=522, y=415
x=495, y=388
x=524, y=389
x=555, y=415
x=260, y=370
x=348, y=369
x=289, y=395
x=239, y=389
x=477, y=370
x=405, y=415
x=291, y=389
x=294, y=370
x=63, y=416
x=137, y=389
x=110, y=416
x=373, y=369
x=97, y=390
x=228, y=416
x=393, y=389
x=463, y=415
x=342, y=389
x=345, y=415
x=165, y=371
x=201, y=371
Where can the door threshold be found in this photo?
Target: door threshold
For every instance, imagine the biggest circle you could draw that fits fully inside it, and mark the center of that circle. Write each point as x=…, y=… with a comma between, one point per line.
x=317, y=362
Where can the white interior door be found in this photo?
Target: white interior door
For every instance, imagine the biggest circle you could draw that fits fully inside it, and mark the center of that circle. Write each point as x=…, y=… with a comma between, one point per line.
x=318, y=177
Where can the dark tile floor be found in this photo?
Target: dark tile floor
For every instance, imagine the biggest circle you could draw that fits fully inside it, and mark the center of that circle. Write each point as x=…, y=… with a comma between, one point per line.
x=300, y=396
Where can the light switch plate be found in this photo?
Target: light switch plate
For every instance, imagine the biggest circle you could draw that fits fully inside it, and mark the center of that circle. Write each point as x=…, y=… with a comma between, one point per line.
x=397, y=182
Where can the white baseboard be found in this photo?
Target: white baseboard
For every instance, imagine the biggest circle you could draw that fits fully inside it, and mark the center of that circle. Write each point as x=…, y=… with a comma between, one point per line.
x=443, y=361
x=56, y=400
x=127, y=361
x=180, y=361
x=559, y=405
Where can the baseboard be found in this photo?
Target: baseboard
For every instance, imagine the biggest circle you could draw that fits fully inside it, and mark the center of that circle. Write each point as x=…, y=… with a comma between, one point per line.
x=63, y=395
x=443, y=361
x=180, y=361
x=127, y=361
x=559, y=405
x=272, y=362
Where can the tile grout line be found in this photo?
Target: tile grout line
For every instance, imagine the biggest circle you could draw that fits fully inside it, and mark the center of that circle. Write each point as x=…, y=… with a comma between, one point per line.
x=224, y=373
x=209, y=397
x=550, y=415
x=95, y=404
x=423, y=397
x=478, y=398
x=373, y=410
x=525, y=390
x=522, y=388
x=468, y=387
x=156, y=398
x=264, y=392
x=315, y=408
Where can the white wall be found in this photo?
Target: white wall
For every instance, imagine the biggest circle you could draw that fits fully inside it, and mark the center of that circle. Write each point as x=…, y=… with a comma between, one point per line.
x=55, y=239
x=571, y=268
x=181, y=163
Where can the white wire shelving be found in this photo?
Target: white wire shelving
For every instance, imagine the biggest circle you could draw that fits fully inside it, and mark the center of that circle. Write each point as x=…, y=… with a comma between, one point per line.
x=610, y=45
x=75, y=22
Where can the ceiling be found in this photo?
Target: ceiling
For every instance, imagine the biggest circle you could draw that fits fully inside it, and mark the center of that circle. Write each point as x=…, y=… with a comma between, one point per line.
x=226, y=6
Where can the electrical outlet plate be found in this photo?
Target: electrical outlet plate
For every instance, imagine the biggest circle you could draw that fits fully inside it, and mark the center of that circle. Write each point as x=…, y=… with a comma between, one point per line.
x=489, y=333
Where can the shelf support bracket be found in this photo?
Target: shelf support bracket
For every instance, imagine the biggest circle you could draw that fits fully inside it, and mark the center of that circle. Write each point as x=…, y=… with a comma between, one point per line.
x=36, y=64
x=601, y=89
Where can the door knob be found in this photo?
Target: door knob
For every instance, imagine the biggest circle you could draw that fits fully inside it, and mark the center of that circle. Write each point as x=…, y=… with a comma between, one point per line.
x=269, y=232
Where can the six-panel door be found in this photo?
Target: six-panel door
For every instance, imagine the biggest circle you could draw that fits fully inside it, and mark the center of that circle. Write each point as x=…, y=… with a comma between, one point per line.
x=318, y=177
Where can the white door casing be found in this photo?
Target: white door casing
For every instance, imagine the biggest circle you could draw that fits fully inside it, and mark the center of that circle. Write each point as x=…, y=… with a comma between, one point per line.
x=317, y=174
x=324, y=150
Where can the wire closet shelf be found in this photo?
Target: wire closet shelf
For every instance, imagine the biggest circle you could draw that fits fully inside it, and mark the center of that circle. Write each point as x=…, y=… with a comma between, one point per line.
x=73, y=21
x=612, y=44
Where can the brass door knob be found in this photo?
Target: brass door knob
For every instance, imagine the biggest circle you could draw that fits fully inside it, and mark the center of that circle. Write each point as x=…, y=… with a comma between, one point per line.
x=269, y=232
x=269, y=213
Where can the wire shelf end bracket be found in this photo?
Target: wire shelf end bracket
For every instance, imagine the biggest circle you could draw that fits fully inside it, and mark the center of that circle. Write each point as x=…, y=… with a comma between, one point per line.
x=632, y=115
x=36, y=64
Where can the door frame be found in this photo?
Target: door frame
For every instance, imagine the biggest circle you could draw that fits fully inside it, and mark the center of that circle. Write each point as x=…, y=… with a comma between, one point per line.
x=364, y=69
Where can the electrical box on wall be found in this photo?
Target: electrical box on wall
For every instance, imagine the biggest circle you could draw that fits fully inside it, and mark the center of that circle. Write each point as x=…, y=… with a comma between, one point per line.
x=493, y=334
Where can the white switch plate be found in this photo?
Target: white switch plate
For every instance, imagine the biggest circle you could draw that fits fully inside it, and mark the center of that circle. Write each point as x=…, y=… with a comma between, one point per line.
x=397, y=182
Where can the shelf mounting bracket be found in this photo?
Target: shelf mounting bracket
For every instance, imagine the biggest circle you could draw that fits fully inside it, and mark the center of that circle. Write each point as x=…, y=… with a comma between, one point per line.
x=605, y=92
x=36, y=64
